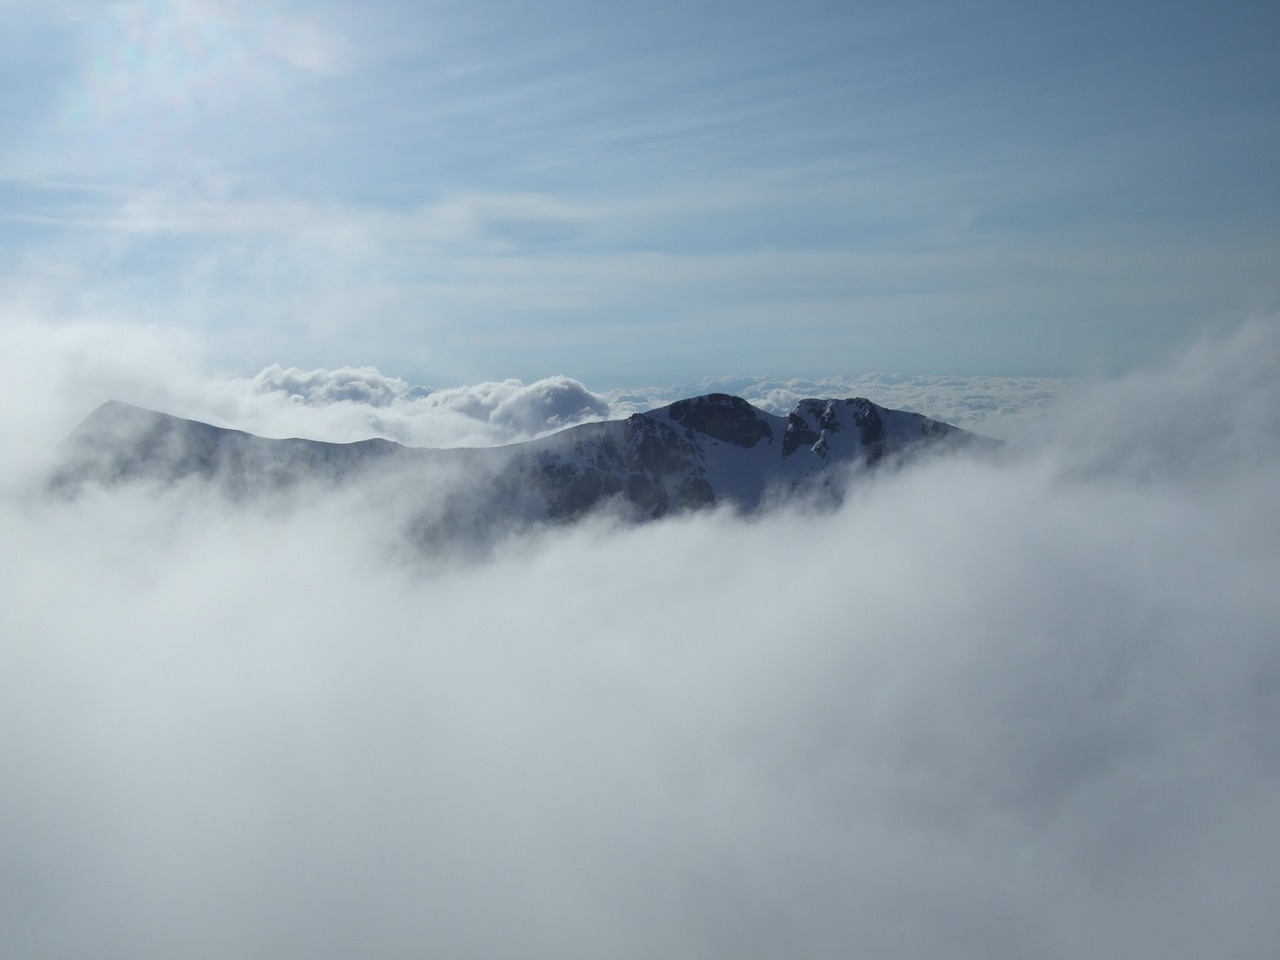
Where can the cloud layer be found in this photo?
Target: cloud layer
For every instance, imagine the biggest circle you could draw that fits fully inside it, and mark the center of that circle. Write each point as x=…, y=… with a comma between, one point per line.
x=72, y=368
x=986, y=709
x=374, y=404
x=998, y=406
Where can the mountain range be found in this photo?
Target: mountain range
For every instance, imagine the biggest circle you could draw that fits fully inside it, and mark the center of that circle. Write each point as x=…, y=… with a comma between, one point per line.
x=695, y=453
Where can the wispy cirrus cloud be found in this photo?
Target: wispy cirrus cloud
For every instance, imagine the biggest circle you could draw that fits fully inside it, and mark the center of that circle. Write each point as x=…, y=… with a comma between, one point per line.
x=509, y=187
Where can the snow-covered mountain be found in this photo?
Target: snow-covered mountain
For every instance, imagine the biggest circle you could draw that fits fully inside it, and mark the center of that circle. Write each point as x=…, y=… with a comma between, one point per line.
x=696, y=453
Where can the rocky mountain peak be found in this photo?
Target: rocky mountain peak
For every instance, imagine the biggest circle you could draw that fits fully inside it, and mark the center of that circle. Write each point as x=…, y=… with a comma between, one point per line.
x=722, y=417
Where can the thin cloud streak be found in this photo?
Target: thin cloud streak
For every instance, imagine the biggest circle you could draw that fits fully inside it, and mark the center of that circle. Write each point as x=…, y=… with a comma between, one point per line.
x=904, y=182
x=524, y=286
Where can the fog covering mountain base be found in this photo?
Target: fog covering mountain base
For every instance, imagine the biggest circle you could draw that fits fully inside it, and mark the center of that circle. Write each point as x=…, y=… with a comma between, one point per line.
x=1013, y=707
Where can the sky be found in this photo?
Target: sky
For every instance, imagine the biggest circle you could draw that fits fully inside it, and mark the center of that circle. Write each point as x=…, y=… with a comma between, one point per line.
x=643, y=194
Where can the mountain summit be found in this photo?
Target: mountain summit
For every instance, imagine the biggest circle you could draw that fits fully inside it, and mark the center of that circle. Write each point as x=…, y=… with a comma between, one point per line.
x=695, y=453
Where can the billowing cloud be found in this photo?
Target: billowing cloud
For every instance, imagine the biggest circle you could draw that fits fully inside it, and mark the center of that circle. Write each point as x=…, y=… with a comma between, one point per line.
x=535, y=408
x=379, y=405
x=351, y=384
x=1015, y=708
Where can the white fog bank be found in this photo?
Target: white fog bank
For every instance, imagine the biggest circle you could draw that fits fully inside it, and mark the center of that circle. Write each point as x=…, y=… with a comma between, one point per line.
x=1027, y=708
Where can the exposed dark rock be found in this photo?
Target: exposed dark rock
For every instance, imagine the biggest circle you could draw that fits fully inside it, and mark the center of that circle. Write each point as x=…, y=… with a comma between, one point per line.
x=695, y=492
x=656, y=446
x=871, y=429
x=828, y=418
x=723, y=417
x=799, y=434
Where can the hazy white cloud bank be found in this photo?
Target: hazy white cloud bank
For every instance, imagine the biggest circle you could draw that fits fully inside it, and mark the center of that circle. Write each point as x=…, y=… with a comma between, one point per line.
x=997, y=406
x=985, y=710
x=75, y=367
x=352, y=403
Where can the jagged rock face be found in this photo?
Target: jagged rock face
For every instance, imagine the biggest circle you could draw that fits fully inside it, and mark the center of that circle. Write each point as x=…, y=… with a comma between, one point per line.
x=799, y=434
x=813, y=422
x=722, y=417
x=858, y=425
x=655, y=452
x=692, y=454
x=871, y=431
x=655, y=447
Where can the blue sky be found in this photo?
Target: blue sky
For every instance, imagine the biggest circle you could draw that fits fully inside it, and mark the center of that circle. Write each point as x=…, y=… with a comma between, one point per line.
x=644, y=193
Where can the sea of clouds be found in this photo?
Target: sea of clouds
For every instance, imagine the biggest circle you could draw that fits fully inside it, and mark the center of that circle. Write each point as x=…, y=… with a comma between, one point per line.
x=68, y=370
x=1016, y=708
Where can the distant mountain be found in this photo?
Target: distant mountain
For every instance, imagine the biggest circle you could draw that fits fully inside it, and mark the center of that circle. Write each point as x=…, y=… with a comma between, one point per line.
x=695, y=453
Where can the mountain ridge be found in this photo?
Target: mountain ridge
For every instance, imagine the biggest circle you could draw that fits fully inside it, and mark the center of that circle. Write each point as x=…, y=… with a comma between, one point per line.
x=695, y=453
